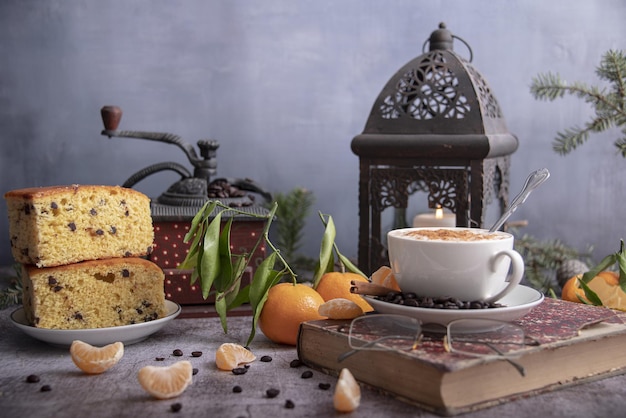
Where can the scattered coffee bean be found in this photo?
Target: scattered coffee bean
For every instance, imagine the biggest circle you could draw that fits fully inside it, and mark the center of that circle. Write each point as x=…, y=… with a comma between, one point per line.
x=272, y=393
x=196, y=353
x=175, y=407
x=32, y=378
x=295, y=363
x=289, y=404
x=324, y=386
x=237, y=389
x=159, y=359
x=46, y=388
x=307, y=375
x=240, y=370
x=177, y=352
x=194, y=371
x=266, y=359
x=411, y=299
x=247, y=366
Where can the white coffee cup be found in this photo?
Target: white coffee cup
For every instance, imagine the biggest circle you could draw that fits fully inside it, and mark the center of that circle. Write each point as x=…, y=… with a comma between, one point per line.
x=474, y=265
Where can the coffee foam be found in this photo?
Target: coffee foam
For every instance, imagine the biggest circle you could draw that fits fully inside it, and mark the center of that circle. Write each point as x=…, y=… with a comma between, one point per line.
x=456, y=235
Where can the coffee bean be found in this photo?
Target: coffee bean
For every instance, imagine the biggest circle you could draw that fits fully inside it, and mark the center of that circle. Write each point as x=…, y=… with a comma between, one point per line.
x=295, y=363
x=194, y=371
x=196, y=353
x=237, y=389
x=159, y=359
x=266, y=359
x=177, y=352
x=272, y=393
x=324, y=386
x=175, y=407
x=45, y=388
x=289, y=404
x=444, y=302
x=240, y=370
x=307, y=375
x=32, y=378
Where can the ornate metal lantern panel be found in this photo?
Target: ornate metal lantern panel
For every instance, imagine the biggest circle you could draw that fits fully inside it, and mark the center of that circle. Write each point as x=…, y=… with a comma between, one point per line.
x=435, y=128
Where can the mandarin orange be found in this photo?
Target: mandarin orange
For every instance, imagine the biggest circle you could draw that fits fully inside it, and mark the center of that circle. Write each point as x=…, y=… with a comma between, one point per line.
x=605, y=285
x=337, y=285
x=286, y=307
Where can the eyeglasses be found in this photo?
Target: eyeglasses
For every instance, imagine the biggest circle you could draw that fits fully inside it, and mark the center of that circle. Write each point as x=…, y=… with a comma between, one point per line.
x=483, y=338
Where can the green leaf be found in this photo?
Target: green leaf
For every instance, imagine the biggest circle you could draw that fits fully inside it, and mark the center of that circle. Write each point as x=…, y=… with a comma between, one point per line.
x=590, y=294
x=606, y=262
x=221, y=308
x=201, y=216
x=621, y=261
x=272, y=279
x=261, y=279
x=197, y=231
x=264, y=278
x=326, y=262
x=209, y=261
x=225, y=277
x=243, y=296
x=348, y=264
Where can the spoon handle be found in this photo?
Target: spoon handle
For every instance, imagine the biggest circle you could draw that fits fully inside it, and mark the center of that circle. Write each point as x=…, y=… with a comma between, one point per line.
x=534, y=180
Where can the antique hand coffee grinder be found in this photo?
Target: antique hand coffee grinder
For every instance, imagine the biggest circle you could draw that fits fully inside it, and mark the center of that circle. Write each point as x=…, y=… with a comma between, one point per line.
x=173, y=210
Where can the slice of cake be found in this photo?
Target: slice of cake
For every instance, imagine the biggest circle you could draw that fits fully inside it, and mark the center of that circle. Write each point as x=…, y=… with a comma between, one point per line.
x=93, y=294
x=53, y=226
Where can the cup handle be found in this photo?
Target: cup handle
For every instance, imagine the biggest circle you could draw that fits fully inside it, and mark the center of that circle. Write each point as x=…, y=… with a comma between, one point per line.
x=514, y=278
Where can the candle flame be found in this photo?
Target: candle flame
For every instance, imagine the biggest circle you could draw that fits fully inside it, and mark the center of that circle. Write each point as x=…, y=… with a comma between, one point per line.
x=439, y=213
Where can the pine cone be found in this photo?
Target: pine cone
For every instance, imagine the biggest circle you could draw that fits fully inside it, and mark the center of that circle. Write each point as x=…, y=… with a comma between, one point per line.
x=569, y=269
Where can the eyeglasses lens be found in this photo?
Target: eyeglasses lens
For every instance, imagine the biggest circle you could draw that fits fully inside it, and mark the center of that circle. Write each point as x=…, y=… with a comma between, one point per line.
x=376, y=332
x=483, y=337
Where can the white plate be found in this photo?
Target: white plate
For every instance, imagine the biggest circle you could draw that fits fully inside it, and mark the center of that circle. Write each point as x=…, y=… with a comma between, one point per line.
x=127, y=334
x=518, y=302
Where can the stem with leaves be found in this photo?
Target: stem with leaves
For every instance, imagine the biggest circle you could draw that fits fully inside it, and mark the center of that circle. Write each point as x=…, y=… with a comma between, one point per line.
x=608, y=261
x=220, y=271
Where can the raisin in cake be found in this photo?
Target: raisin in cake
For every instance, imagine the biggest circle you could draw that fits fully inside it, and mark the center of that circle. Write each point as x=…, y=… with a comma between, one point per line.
x=52, y=226
x=93, y=294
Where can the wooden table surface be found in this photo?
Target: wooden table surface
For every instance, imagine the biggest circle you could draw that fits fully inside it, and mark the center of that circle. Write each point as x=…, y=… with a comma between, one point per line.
x=117, y=392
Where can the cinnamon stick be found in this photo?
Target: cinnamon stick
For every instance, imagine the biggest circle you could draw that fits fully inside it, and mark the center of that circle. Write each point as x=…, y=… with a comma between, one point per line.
x=368, y=288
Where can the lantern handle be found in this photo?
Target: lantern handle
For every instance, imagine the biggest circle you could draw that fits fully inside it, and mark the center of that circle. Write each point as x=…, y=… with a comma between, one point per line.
x=471, y=53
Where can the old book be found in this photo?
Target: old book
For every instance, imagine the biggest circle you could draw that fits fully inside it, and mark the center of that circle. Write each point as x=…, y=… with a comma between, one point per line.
x=577, y=343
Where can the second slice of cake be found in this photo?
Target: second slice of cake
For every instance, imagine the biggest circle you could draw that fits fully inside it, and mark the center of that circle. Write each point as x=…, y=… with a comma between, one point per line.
x=94, y=294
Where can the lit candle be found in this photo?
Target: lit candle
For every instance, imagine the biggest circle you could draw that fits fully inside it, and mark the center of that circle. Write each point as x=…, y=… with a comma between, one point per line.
x=439, y=218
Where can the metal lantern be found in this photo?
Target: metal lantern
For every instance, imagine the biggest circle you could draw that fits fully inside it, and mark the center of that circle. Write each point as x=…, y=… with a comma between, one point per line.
x=435, y=128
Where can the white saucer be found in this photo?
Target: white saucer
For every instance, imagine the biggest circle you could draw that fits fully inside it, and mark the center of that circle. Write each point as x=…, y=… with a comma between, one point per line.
x=127, y=334
x=517, y=303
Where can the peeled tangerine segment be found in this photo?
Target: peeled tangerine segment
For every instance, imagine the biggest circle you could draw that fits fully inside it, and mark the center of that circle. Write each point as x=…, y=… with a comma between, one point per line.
x=167, y=381
x=347, y=392
x=384, y=276
x=230, y=355
x=95, y=360
x=340, y=308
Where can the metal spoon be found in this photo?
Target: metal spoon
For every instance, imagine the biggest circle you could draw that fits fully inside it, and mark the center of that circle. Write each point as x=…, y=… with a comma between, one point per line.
x=534, y=180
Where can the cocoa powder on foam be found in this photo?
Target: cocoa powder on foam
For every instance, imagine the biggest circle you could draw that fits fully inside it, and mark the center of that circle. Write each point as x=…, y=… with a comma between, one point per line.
x=452, y=235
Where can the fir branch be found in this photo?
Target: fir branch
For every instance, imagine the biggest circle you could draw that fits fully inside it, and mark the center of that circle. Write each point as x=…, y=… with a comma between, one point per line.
x=12, y=295
x=610, y=107
x=293, y=210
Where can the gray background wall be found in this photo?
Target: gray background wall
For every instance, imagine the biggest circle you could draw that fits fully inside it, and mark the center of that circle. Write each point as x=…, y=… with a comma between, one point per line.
x=285, y=85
